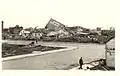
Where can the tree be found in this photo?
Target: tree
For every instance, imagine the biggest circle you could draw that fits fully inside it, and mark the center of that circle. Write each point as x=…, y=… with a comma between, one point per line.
x=98, y=29
x=112, y=28
x=15, y=30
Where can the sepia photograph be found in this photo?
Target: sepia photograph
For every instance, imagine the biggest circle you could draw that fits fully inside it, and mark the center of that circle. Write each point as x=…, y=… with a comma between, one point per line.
x=58, y=35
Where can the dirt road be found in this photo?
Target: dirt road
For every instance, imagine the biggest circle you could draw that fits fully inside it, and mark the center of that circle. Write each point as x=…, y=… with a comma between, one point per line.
x=56, y=61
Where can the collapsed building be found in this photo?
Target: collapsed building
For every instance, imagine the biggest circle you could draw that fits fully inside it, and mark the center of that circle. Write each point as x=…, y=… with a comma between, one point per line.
x=56, y=28
x=54, y=25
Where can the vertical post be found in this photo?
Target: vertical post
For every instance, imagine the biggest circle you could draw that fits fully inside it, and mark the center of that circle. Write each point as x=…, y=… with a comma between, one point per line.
x=2, y=25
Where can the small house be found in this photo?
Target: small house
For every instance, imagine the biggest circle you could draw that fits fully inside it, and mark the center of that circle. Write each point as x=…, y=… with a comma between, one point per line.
x=24, y=33
x=110, y=53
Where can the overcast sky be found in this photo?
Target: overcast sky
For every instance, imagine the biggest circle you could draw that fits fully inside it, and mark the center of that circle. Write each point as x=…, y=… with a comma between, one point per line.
x=31, y=13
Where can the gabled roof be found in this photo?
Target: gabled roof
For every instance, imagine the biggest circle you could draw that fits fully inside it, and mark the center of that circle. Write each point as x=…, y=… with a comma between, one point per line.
x=111, y=44
x=24, y=31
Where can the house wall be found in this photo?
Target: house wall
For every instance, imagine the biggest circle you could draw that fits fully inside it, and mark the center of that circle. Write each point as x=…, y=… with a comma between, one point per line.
x=110, y=58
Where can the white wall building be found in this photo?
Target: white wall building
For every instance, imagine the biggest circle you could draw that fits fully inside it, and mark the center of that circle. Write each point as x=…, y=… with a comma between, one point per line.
x=24, y=33
x=110, y=53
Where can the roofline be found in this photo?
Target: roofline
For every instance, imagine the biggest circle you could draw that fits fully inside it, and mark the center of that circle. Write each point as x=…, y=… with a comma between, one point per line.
x=110, y=39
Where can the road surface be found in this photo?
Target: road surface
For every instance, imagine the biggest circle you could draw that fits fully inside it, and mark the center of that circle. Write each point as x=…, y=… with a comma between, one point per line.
x=58, y=60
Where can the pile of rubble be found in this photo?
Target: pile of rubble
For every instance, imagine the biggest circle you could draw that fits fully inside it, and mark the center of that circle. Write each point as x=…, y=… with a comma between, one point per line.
x=94, y=65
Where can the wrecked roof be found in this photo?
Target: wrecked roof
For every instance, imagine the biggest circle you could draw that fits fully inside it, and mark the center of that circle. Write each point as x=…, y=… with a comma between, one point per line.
x=53, y=24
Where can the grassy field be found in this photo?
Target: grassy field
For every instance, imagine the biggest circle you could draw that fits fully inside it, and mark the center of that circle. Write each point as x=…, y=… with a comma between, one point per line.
x=12, y=49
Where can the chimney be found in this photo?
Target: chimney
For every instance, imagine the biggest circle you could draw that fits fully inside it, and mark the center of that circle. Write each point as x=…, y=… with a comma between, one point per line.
x=2, y=25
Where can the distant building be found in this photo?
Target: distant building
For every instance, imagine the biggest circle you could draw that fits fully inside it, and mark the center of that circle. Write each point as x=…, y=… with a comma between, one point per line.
x=77, y=30
x=58, y=29
x=36, y=35
x=24, y=33
x=110, y=53
x=59, y=33
x=31, y=34
x=52, y=33
x=54, y=25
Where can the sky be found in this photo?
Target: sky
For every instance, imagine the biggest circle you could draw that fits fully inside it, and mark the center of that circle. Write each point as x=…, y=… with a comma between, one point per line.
x=85, y=13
